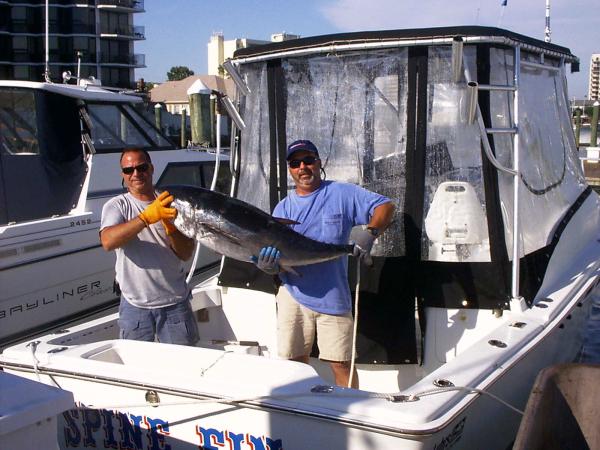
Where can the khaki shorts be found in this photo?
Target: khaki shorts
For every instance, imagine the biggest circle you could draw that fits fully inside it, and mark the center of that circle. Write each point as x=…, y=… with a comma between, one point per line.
x=297, y=325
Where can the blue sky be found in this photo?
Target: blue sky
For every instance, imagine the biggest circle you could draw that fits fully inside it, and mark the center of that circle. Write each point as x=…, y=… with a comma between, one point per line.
x=178, y=31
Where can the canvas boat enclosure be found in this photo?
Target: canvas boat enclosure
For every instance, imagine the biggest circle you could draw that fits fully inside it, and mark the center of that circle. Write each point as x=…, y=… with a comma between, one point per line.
x=413, y=115
x=389, y=111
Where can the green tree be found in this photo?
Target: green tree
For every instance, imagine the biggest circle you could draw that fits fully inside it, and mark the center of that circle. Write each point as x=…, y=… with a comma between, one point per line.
x=179, y=73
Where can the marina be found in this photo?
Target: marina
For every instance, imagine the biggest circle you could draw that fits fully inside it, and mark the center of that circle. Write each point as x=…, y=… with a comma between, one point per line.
x=487, y=275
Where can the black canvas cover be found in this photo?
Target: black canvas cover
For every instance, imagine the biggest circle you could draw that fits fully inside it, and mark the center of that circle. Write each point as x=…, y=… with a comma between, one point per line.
x=48, y=183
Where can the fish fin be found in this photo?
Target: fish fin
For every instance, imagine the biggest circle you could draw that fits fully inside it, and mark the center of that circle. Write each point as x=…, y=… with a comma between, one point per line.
x=290, y=270
x=283, y=221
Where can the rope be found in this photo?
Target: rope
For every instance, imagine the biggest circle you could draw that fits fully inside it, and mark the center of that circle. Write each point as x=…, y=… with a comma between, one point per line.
x=33, y=346
x=203, y=371
x=470, y=390
x=355, y=330
x=343, y=394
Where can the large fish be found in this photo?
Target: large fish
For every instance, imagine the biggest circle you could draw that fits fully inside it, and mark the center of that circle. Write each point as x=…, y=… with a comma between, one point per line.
x=239, y=230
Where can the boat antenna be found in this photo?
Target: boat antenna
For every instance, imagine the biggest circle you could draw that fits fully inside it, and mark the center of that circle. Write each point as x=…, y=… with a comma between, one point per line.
x=47, y=57
x=547, y=31
x=503, y=5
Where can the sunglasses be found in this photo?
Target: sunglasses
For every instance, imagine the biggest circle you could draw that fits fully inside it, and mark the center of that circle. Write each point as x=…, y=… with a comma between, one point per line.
x=307, y=160
x=140, y=168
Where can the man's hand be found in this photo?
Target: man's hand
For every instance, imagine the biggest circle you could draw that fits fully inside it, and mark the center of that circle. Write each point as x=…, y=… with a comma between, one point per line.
x=268, y=260
x=158, y=210
x=363, y=243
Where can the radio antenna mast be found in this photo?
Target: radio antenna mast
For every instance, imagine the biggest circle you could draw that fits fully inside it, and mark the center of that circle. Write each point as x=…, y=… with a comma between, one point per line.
x=46, y=41
x=547, y=31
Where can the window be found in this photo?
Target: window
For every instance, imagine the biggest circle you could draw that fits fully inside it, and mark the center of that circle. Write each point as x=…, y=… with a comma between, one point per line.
x=197, y=174
x=113, y=129
x=18, y=128
x=119, y=126
x=149, y=129
x=21, y=72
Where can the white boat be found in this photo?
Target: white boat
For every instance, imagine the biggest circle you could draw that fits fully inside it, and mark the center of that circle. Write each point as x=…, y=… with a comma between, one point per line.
x=484, y=278
x=59, y=162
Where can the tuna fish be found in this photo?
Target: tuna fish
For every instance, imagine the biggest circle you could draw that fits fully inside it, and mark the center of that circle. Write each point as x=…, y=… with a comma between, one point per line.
x=239, y=230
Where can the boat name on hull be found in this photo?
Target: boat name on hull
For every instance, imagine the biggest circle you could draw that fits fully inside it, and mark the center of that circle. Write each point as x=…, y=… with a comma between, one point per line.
x=93, y=428
x=82, y=292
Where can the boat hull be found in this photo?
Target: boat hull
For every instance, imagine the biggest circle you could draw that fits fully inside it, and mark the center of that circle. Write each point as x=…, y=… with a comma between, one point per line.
x=143, y=395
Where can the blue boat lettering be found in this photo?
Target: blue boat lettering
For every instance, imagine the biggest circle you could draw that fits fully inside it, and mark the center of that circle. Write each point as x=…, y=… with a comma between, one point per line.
x=213, y=439
x=92, y=428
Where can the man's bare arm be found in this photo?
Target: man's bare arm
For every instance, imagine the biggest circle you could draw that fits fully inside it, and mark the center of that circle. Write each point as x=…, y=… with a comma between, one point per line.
x=116, y=236
x=382, y=216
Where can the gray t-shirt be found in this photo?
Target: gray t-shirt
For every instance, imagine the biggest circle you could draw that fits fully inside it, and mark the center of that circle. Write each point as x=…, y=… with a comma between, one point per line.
x=148, y=271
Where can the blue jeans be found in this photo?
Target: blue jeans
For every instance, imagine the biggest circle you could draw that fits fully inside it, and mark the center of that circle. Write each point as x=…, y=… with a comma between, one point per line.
x=174, y=324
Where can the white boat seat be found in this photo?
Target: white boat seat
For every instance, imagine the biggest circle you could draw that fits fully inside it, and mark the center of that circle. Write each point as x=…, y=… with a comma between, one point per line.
x=455, y=215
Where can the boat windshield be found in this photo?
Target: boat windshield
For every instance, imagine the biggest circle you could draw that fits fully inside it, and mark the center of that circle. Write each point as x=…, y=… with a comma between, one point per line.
x=119, y=126
x=355, y=108
x=18, y=126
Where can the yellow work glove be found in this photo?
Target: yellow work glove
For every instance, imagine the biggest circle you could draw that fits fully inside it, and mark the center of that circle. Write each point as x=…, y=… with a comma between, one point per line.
x=158, y=209
x=169, y=227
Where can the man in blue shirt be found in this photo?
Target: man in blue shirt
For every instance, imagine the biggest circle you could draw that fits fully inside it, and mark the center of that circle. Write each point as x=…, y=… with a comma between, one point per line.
x=316, y=299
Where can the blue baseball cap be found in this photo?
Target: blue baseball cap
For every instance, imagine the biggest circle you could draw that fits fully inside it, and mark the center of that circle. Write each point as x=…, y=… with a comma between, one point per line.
x=302, y=144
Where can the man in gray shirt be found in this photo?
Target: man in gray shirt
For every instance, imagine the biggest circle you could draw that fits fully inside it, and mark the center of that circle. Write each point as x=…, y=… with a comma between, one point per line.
x=150, y=250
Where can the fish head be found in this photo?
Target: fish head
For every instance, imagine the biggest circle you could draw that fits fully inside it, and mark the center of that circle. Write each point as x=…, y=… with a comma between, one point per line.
x=195, y=210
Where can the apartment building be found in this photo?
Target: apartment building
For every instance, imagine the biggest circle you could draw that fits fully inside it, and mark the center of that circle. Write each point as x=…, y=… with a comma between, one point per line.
x=220, y=49
x=594, y=87
x=99, y=34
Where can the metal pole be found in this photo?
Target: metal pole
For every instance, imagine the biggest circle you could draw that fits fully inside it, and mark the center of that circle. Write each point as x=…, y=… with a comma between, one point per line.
x=157, y=117
x=183, y=128
x=79, y=55
x=547, y=31
x=594, y=125
x=212, y=119
x=47, y=42
x=577, y=126
x=516, y=182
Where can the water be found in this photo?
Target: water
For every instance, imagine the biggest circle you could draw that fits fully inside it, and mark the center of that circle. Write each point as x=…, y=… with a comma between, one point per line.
x=590, y=352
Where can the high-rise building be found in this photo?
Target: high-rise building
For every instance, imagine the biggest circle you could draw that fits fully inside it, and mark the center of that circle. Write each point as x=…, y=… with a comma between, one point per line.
x=594, y=89
x=98, y=33
x=220, y=50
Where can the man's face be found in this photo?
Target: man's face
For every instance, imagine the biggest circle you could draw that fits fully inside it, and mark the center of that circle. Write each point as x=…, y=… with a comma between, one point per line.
x=306, y=176
x=140, y=180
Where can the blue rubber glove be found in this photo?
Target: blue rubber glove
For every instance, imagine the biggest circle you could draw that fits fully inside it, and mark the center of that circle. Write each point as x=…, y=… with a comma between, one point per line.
x=268, y=260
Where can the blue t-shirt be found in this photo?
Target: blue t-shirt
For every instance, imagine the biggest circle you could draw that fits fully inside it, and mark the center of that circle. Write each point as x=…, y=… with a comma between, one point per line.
x=327, y=215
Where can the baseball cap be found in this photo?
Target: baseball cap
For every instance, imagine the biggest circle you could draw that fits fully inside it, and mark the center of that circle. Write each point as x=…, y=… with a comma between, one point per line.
x=301, y=144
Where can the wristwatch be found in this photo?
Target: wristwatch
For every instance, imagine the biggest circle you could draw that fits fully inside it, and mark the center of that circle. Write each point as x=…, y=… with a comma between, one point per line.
x=374, y=231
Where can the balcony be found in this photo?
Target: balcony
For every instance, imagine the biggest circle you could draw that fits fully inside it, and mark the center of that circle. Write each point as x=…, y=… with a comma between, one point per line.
x=50, y=2
x=137, y=60
x=27, y=57
x=122, y=5
x=119, y=32
x=36, y=27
